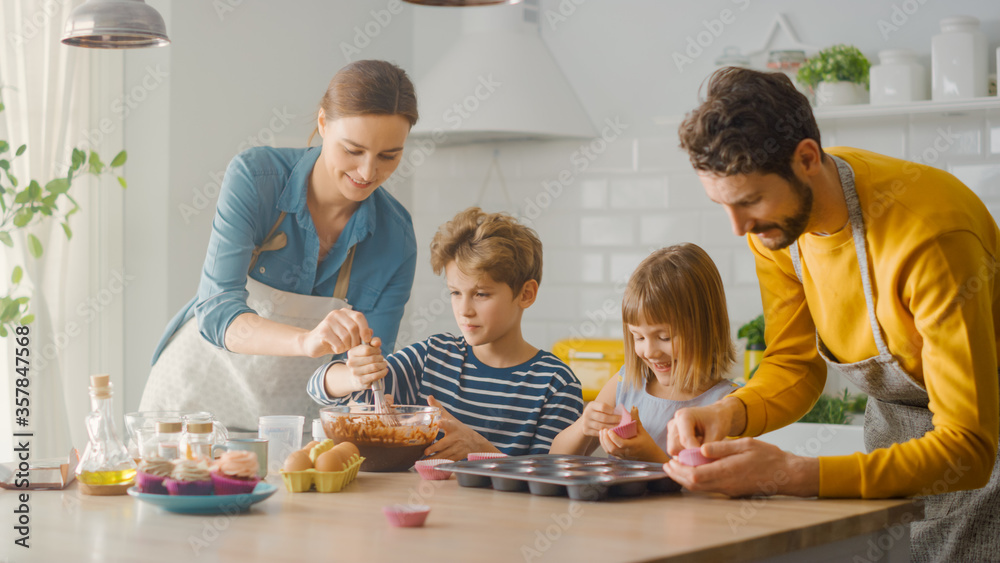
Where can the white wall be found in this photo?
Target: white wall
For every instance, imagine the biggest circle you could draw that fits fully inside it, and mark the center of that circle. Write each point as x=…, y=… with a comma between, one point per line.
x=236, y=74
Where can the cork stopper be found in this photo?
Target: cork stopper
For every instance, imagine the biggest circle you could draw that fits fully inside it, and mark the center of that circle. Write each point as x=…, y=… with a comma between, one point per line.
x=168, y=427
x=100, y=386
x=200, y=427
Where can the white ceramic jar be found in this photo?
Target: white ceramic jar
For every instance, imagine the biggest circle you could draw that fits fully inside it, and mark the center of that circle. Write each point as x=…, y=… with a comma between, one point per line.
x=958, y=60
x=898, y=78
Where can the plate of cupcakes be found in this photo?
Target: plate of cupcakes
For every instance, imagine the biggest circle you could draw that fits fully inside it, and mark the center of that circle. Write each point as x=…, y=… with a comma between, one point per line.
x=229, y=485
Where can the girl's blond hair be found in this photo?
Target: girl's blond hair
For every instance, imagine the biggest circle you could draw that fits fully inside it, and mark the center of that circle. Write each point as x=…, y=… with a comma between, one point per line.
x=489, y=243
x=680, y=286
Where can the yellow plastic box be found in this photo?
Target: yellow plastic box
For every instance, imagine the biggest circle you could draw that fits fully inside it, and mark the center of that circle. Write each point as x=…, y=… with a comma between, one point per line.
x=593, y=361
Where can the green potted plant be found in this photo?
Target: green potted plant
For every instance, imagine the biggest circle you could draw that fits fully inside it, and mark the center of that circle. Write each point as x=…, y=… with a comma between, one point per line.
x=753, y=331
x=25, y=205
x=837, y=75
x=836, y=410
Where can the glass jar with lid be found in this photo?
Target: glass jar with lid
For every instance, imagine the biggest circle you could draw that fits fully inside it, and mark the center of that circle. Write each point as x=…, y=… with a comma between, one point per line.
x=788, y=62
x=168, y=439
x=196, y=441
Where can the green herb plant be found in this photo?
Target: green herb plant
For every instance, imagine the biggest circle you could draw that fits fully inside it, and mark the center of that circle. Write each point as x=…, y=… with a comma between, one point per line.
x=23, y=206
x=835, y=64
x=753, y=331
x=834, y=410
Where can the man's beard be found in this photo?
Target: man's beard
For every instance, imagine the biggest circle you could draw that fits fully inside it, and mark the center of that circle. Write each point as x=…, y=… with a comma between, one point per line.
x=792, y=227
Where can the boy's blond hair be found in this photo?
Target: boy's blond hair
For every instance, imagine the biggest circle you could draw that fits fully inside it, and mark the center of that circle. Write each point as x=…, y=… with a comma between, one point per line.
x=681, y=287
x=489, y=243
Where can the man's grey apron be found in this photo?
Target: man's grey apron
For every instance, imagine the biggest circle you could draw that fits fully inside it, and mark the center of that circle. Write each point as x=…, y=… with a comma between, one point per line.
x=962, y=526
x=193, y=375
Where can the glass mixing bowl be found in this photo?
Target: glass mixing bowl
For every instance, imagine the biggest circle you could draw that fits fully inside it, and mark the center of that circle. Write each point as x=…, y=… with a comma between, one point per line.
x=387, y=442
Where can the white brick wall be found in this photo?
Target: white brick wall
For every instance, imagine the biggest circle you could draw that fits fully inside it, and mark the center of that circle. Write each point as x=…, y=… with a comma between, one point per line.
x=637, y=195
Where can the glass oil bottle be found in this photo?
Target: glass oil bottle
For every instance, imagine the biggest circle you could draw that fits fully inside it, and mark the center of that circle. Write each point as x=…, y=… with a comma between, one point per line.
x=105, y=468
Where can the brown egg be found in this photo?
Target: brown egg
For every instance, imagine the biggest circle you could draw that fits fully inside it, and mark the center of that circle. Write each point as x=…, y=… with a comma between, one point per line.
x=298, y=461
x=331, y=460
x=347, y=451
x=310, y=445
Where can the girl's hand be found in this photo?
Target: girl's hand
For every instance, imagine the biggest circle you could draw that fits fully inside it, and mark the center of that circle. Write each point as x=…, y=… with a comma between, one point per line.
x=367, y=364
x=598, y=416
x=641, y=447
x=459, y=440
x=341, y=330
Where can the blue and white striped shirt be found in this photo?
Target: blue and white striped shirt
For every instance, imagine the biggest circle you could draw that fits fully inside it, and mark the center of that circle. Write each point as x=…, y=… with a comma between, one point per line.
x=518, y=409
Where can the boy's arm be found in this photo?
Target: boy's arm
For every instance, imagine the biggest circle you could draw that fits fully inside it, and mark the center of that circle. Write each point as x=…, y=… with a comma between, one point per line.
x=402, y=380
x=560, y=411
x=573, y=440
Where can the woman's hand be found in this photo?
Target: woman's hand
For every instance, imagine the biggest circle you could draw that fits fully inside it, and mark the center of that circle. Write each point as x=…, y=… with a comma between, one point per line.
x=748, y=467
x=341, y=330
x=459, y=440
x=366, y=364
x=598, y=416
x=640, y=447
x=694, y=426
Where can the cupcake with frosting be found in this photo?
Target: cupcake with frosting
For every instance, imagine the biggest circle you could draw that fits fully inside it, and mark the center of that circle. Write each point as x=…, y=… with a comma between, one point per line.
x=235, y=473
x=189, y=477
x=152, y=472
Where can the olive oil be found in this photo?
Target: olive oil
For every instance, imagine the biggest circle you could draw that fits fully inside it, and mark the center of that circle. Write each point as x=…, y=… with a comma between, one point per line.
x=107, y=477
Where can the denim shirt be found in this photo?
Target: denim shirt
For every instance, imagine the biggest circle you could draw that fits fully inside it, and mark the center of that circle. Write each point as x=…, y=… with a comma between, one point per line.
x=259, y=184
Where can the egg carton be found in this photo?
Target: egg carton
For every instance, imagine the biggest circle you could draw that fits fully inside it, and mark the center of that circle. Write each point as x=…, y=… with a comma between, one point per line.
x=579, y=477
x=321, y=481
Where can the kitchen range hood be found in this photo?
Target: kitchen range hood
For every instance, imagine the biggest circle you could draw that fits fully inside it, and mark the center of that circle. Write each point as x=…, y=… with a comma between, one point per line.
x=499, y=82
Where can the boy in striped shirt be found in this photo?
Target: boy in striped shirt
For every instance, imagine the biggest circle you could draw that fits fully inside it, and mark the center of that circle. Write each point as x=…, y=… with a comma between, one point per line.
x=497, y=392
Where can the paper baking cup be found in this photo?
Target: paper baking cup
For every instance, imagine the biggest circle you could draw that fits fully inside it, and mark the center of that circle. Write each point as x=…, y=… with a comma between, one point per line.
x=225, y=485
x=626, y=430
x=427, y=468
x=188, y=488
x=692, y=457
x=406, y=515
x=485, y=455
x=150, y=484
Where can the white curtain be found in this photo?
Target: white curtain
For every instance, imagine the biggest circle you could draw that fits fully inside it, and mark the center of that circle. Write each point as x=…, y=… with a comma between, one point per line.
x=49, y=93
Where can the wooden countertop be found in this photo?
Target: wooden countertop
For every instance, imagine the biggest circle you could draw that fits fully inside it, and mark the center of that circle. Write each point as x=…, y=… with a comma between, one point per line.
x=464, y=524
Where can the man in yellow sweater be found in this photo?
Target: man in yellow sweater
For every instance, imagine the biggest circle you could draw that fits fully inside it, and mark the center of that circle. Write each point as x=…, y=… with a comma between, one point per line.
x=882, y=267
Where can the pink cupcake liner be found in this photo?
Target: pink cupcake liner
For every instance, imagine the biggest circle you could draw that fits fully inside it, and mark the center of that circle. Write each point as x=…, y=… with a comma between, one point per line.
x=627, y=430
x=427, y=468
x=406, y=515
x=484, y=455
x=692, y=457
x=150, y=484
x=225, y=485
x=188, y=488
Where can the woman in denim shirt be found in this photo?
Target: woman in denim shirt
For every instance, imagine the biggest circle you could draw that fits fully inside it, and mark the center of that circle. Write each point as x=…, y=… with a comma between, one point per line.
x=308, y=256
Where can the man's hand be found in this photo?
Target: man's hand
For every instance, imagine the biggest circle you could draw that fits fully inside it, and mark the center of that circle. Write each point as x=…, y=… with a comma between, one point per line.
x=748, y=467
x=459, y=440
x=694, y=426
x=640, y=447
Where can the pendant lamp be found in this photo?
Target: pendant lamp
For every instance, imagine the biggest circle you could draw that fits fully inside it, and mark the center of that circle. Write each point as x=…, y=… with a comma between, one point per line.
x=115, y=24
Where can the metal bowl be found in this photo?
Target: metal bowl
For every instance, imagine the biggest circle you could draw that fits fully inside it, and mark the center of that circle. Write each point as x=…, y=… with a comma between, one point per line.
x=388, y=442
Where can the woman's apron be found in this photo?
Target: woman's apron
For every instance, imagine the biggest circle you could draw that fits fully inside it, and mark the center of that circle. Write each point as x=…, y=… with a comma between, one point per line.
x=193, y=375
x=961, y=526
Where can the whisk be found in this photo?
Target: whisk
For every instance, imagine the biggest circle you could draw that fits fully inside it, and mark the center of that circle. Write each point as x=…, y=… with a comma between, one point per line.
x=382, y=408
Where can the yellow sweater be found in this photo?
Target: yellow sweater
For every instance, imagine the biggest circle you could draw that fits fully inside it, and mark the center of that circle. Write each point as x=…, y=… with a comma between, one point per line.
x=932, y=247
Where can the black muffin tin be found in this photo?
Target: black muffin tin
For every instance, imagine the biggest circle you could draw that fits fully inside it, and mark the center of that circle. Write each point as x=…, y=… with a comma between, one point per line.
x=579, y=477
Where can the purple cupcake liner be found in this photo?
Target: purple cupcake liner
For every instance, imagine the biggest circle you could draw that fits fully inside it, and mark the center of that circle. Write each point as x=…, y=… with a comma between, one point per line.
x=627, y=430
x=150, y=484
x=693, y=457
x=232, y=486
x=484, y=455
x=188, y=488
